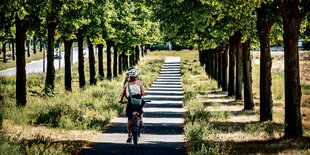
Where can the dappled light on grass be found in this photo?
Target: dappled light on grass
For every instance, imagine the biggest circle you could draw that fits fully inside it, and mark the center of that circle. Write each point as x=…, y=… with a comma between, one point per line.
x=223, y=127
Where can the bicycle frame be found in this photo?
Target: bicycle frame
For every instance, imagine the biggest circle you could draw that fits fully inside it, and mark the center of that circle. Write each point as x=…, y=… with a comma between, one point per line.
x=135, y=127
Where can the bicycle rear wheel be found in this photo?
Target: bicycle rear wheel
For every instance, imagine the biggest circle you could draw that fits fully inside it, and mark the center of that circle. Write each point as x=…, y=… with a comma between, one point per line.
x=135, y=138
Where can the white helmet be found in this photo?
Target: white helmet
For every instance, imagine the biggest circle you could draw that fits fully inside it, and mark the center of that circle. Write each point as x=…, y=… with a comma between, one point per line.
x=133, y=72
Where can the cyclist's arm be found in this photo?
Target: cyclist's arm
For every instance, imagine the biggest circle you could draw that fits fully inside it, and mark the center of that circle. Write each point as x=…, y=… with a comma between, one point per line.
x=123, y=94
x=142, y=88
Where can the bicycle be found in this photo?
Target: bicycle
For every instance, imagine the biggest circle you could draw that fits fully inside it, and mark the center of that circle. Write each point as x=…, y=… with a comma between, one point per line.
x=136, y=125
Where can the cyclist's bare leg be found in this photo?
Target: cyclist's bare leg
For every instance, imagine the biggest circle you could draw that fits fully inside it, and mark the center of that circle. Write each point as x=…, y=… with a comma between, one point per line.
x=129, y=123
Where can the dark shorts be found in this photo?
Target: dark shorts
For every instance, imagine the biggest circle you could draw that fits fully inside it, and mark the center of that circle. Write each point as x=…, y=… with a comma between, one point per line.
x=131, y=108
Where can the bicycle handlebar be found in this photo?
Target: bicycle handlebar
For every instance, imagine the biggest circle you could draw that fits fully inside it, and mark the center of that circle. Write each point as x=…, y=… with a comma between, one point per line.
x=145, y=100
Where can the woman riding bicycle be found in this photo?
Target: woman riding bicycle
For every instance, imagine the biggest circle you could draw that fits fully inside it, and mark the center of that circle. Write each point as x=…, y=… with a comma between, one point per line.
x=136, y=90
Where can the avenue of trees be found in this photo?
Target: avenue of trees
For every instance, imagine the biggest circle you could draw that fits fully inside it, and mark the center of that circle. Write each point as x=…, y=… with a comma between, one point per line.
x=123, y=27
x=221, y=30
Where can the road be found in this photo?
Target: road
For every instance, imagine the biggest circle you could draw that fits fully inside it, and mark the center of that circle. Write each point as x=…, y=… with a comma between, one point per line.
x=163, y=120
x=37, y=66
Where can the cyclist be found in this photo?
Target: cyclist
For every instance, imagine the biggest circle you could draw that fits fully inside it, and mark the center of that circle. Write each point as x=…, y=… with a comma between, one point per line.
x=127, y=76
x=136, y=91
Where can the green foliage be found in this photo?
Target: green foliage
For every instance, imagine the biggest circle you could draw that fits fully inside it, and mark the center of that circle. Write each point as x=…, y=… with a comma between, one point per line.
x=306, y=45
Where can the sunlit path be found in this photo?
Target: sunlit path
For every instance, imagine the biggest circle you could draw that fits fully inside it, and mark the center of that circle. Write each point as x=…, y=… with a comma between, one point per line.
x=163, y=132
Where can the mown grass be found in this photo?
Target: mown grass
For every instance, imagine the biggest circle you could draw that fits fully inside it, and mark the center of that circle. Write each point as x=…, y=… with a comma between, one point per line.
x=227, y=129
x=90, y=108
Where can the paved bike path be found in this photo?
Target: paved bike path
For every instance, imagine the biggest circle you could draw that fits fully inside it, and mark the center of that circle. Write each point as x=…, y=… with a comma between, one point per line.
x=163, y=132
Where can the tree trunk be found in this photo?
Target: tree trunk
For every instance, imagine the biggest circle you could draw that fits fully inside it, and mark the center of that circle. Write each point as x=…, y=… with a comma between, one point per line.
x=115, y=61
x=109, y=70
x=41, y=44
x=142, y=50
x=133, y=57
x=209, y=62
x=34, y=44
x=120, y=64
x=13, y=51
x=200, y=57
x=21, y=29
x=213, y=64
x=145, y=50
x=28, y=48
x=231, y=83
x=247, y=75
x=68, y=76
x=219, y=67
x=4, y=52
x=215, y=59
x=291, y=24
x=125, y=60
x=50, y=72
x=100, y=61
x=91, y=56
x=224, y=68
x=137, y=54
x=264, y=26
x=80, y=36
x=239, y=76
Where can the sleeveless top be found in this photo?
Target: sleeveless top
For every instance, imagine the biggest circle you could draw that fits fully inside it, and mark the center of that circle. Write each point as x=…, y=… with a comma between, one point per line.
x=134, y=89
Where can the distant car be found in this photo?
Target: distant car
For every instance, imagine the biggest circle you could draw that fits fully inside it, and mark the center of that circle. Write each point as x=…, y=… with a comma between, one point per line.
x=57, y=54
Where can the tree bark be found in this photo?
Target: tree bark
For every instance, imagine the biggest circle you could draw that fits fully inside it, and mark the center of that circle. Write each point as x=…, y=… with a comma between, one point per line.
x=4, y=52
x=212, y=70
x=91, y=57
x=264, y=26
x=125, y=60
x=145, y=50
x=115, y=61
x=247, y=75
x=41, y=44
x=224, y=69
x=100, y=61
x=209, y=62
x=50, y=71
x=200, y=57
x=142, y=50
x=137, y=54
x=21, y=29
x=231, y=84
x=13, y=51
x=34, y=44
x=68, y=76
x=28, y=48
x=80, y=36
x=120, y=64
x=219, y=67
x=292, y=19
x=109, y=70
x=239, y=76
